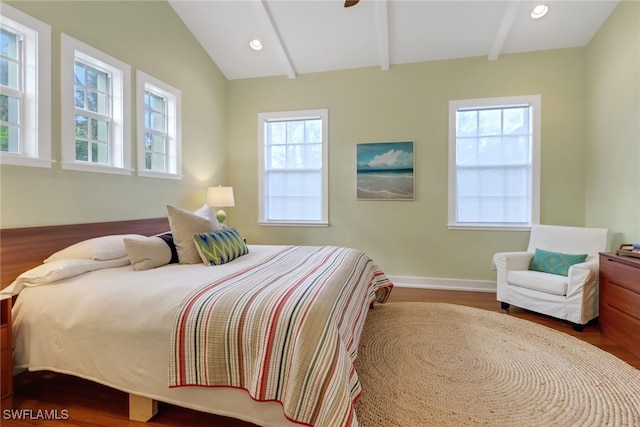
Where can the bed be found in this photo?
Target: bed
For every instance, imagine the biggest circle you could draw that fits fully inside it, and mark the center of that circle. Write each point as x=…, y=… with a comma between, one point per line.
x=200, y=336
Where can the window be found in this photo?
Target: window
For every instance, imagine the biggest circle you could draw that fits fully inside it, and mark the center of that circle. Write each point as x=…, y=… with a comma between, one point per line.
x=494, y=166
x=95, y=110
x=159, y=146
x=293, y=168
x=25, y=90
x=12, y=94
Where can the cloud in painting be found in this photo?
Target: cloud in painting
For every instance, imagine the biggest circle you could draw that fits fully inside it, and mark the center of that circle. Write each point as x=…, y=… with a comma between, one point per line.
x=392, y=159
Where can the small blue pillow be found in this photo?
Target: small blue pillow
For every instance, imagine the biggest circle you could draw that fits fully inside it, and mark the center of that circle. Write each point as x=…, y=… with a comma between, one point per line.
x=220, y=247
x=555, y=262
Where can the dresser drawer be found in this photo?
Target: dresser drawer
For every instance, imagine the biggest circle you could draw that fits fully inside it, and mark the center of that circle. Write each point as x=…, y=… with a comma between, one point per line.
x=5, y=360
x=624, y=328
x=5, y=341
x=620, y=274
x=6, y=371
x=622, y=300
x=5, y=383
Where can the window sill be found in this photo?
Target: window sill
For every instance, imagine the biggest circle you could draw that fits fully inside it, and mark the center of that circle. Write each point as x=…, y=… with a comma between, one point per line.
x=96, y=168
x=17, y=160
x=161, y=175
x=293, y=223
x=489, y=227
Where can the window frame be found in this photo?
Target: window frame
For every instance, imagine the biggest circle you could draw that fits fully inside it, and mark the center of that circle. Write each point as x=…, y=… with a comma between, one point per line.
x=120, y=110
x=534, y=101
x=144, y=83
x=263, y=118
x=35, y=105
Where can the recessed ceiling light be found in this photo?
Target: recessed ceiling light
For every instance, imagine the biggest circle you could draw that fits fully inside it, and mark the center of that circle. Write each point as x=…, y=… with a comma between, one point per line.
x=539, y=11
x=255, y=44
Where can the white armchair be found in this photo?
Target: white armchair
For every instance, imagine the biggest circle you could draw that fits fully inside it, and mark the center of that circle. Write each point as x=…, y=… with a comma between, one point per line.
x=573, y=297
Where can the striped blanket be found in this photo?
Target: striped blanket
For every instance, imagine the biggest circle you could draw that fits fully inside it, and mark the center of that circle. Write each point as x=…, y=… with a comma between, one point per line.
x=285, y=330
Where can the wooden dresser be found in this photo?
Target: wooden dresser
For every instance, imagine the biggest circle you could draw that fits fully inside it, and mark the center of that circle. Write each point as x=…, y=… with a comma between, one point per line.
x=6, y=371
x=620, y=299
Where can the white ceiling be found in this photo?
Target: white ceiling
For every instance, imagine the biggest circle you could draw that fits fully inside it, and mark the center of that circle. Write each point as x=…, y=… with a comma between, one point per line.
x=308, y=36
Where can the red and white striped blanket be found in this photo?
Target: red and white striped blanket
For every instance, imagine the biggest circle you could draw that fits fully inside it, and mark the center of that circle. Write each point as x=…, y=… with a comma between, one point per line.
x=285, y=330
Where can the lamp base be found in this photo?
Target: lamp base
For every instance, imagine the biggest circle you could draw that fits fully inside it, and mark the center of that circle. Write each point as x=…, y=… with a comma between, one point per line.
x=221, y=216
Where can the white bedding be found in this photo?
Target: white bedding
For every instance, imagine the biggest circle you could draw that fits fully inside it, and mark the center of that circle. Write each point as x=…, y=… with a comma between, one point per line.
x=67, y=326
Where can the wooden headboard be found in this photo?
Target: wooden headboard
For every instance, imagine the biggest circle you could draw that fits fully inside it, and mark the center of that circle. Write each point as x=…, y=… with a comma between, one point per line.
x=25, y=248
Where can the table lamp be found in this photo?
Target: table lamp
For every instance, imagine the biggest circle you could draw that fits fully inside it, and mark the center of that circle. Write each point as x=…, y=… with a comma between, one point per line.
x=220, y=197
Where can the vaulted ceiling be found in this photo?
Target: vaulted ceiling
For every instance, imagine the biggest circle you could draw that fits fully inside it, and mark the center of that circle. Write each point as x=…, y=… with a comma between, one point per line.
x=307, y=36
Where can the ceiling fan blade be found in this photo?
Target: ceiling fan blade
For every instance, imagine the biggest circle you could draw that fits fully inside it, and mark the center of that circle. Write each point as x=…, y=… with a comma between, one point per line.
x=349, y=3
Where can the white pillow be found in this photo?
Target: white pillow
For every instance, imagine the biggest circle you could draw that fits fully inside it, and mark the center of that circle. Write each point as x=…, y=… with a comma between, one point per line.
x=184, y=225
x=147, y=252
x=207, y=212
x=99, y=248
x=61, y=269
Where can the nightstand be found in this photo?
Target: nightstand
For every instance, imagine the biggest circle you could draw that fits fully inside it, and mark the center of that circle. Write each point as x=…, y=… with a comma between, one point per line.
x=6, y=370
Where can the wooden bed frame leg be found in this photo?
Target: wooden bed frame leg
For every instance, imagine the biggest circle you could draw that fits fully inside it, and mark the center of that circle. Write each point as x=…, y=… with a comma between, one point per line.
x=142, y=408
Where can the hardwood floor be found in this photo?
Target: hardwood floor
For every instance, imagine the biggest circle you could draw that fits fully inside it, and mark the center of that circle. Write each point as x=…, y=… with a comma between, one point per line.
x=90, y=404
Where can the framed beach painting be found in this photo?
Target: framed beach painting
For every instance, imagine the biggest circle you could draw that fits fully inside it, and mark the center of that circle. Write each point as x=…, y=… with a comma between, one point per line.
x=385, y=170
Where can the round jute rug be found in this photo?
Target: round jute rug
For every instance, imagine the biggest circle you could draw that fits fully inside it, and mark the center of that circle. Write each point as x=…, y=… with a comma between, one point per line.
x=432, y=364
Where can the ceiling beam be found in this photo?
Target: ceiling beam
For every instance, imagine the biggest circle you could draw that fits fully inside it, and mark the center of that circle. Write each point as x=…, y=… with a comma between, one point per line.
x=503, y=29
x=280, y=48
x=382, y=30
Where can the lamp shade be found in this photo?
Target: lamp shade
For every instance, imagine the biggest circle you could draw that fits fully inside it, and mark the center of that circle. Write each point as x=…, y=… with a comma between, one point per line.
x=220, y=197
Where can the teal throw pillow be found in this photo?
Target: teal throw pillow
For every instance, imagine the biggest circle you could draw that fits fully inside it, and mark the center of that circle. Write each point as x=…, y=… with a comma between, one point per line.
x=555, y=262
x=220, y=247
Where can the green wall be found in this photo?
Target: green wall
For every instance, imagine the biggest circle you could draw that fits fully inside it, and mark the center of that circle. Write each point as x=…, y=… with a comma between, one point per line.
x=613, y=125
x=410, y=102
x=149, y=36
x=590, y=139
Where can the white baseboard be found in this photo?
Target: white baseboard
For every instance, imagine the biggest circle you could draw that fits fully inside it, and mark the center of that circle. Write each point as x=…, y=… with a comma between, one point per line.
x=445, y=284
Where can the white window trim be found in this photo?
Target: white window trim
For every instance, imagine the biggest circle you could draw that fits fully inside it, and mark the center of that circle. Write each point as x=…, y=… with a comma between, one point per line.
x=36, y=111
x=298, y=115
x=174, y=131
x=120, y=153
x=536, y=104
